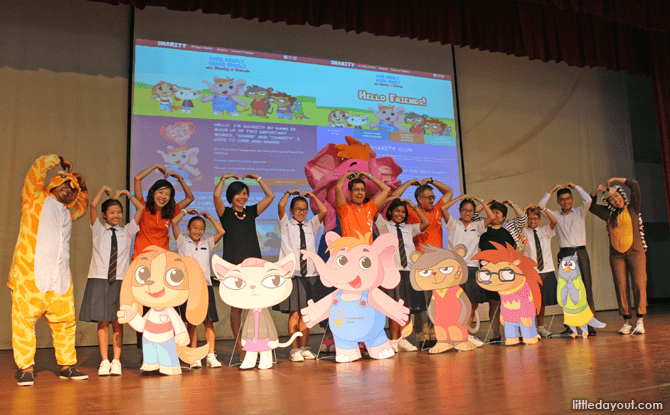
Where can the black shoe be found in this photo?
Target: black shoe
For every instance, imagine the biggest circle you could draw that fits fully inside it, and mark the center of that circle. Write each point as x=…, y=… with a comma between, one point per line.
x=26, y=379
x=567, y=332
x=495, y=339
x=430, y=343
x=592, y=331
x=72, y=373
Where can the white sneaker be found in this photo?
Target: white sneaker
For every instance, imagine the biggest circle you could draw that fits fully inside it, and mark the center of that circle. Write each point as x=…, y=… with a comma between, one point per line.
x=472, y=339
x=296, y=356
x=626, y=329
x=306, y=354
x=211, y=361
x=543, y=332
x=116, y=368
x=395, y=347
x=405, y=346
x=103, y=370
x=197, y=364
x=639, y=327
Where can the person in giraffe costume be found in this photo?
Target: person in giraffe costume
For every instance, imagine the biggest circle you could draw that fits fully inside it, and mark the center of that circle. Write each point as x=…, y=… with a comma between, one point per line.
x=39, y=277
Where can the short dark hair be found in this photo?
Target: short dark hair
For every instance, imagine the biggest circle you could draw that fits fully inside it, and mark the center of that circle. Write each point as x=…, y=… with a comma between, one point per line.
x=233, y=189
x=109, y=203
x=419, y=190
x=499, y=207
x=298, y=199
x=351, y=184
x=194, y=218
x=466, y=202
x=393, y=205
x=534, y=211
x=562, y=192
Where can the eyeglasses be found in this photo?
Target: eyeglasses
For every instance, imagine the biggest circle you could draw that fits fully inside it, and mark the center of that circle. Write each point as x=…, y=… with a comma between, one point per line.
x=562, y=199
x=301, y=210
x=431, y=197
x=504, y=275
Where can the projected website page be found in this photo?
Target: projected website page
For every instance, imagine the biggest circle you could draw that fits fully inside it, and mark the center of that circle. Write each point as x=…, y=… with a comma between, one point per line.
x=206, y=111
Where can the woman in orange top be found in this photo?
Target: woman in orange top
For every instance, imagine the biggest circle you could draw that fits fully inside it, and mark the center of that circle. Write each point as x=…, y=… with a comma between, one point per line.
x=627, y=247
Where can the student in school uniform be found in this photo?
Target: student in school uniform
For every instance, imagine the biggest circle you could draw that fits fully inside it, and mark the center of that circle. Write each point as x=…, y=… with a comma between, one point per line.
x=571, y=234
x=298, y=233
x=538, y=249
x=395, y=222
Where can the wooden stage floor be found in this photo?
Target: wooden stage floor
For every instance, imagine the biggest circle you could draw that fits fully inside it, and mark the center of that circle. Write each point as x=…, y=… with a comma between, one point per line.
x=540, y=379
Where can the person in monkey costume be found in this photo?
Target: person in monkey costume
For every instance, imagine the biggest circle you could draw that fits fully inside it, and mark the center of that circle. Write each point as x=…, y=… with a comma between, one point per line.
x=39, y=277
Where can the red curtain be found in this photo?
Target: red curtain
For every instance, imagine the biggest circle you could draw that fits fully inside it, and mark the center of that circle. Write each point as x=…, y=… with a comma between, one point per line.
x=629, y=35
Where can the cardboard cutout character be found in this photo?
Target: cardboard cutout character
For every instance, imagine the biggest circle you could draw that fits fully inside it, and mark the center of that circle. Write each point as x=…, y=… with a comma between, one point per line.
x=443, y=271
x=357, y=310
x=256, y=285
x=162, y=280
x=513, y=276
x=572, y=297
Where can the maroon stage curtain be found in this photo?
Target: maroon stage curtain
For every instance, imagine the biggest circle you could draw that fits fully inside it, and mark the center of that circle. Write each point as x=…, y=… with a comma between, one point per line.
x=629, y=35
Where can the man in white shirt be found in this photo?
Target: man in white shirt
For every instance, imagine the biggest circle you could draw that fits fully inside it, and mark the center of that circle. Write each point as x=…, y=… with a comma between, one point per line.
x=571, y=233
x=538, y=249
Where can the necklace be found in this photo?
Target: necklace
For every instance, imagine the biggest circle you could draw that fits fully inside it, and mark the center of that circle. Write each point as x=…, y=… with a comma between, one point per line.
x=244, y=214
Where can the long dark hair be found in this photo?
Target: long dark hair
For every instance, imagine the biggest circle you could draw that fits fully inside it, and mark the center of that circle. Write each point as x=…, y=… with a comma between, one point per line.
x=167, y=212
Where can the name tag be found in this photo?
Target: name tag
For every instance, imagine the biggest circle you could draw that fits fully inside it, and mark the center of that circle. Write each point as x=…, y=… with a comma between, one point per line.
x=203, y=248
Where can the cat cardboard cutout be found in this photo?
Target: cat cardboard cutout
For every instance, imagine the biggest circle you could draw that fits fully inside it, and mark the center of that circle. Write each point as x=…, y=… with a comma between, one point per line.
x=357, y=310
x=443, y=271
x=256, y=285
x=161, y=280
x=572, y=297
x=514, y=277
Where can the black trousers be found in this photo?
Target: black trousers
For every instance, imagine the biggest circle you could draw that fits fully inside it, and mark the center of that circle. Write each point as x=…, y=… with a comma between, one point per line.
x=585, y=268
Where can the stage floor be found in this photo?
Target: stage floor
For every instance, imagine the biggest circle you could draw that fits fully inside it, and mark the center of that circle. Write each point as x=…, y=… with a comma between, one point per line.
x=543, y=379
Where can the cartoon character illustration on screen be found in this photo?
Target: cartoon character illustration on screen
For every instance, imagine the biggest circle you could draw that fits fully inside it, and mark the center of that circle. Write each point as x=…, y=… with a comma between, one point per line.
x=389, y=117
x=572, y=297
x=357, y=309
x=260, y=105
x=337, y=118
x=331, y=162
x=163, y=92
x=443, y=271
x=284, y=103
x=357, y=121
x=226, y=97
x=437, y=127
x=161, y=280
x=182, y=161
x=514, y=277
x=417, y=122
x=298, y=111
x=188, y=95
x=256, y=285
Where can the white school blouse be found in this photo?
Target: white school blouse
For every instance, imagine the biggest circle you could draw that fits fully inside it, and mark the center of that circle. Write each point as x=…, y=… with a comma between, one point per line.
x=200, y=252
x=290, y=241
x=408, y=233
x=459, y=234
x=102, y=248
x=544, y=234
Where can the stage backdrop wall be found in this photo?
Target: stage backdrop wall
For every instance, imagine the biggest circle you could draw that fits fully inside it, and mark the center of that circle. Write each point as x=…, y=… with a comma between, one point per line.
x=525, y=125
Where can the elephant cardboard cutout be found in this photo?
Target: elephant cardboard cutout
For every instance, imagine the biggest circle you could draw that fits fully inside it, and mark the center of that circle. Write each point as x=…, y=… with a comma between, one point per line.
x=161, y=280
x=357, y=310
x=256, y=285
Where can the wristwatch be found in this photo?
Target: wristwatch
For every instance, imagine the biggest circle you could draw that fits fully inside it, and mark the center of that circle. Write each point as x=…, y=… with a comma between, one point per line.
x=431, y=180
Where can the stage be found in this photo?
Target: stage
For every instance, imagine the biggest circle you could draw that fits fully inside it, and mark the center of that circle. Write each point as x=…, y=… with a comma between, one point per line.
x=544, y=379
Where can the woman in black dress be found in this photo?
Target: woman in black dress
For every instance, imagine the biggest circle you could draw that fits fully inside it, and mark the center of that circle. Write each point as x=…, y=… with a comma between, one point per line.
x=240, y=240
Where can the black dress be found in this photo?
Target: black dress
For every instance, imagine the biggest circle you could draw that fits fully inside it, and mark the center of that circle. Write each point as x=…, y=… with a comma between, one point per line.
x=500, y=236
x=240, y=240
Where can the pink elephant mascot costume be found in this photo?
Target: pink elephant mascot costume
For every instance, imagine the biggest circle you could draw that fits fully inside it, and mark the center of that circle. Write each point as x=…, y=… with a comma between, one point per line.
x=326, y=168
x=357, y=310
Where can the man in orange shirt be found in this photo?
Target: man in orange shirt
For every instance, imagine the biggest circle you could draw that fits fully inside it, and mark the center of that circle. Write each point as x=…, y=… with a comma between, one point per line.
x=425, y=198
x=358, y=216
x=431, y=236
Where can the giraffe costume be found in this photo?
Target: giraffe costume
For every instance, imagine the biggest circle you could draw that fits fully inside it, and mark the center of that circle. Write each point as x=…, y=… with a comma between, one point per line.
x=39, y=277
